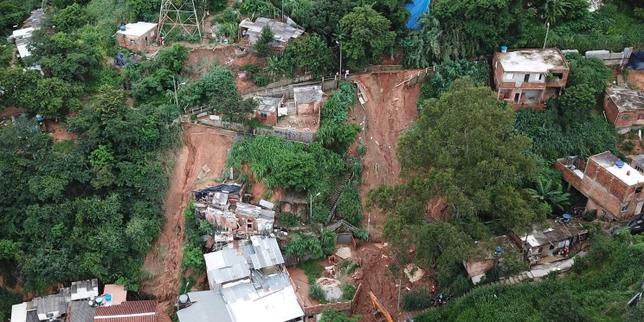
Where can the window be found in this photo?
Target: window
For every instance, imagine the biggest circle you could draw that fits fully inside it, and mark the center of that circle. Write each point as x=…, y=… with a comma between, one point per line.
x=557, y=76
x=516, y=97
x=624, y=208
x=552, y=247
x=263, y=115
x=526, y=77
x=508, y=77
x=540, y=76
x=638, y=189
x=626, y=117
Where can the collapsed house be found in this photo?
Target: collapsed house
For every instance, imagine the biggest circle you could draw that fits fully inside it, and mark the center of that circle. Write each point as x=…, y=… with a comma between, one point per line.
x=561, y=238
x=22, y=37
x=612, y=187
x=248, y=282
x=529, y=77
x=485, y=257
x=624, y=108
x=282, y=33
x=221, y=207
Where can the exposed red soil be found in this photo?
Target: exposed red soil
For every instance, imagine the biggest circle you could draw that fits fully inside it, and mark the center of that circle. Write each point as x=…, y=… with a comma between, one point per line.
x=11, y=111
x=58, y=132
x=388, y=112
x=203, y=146
x=636, y=77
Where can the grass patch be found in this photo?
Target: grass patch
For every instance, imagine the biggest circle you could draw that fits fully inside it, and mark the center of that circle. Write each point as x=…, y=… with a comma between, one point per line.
x=312, y=269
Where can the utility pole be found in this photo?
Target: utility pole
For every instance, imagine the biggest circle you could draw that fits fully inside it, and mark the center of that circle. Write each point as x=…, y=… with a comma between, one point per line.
x=340, y=43
x=546, y=39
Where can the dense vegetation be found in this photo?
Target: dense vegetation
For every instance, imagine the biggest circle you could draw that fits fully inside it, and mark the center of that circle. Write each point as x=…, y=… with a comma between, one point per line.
x=87, y=207
x=470, y=28
x=596, y=290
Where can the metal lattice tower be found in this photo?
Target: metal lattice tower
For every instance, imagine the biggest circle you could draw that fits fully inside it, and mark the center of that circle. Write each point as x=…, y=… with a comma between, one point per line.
x=179, y=14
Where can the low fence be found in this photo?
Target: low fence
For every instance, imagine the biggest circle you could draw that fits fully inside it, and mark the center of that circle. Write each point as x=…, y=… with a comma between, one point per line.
x=285, y=133
x=347, y=306
x=609, y=58
x=383, y=68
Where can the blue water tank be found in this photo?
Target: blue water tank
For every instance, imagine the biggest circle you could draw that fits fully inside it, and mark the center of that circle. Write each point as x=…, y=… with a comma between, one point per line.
x=566, y=217
x=619, y=163
x=122, y=27
x=504, y=48
x=108, y=297
x=498, y=250
x=39, y=118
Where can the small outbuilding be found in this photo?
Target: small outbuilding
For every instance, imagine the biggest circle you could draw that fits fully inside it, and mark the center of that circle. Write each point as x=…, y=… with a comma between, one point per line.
x=137, y=36
x=624, y=108
x=559, y=239
x=283, y=33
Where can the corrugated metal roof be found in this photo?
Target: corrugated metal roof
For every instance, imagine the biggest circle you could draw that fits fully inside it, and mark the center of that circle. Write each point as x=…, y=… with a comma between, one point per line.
x=86, y=289
x=225, y=266
x=80, y=311
x=19, y=312
x=206, y=305
x=264, y=252
x=279, y=306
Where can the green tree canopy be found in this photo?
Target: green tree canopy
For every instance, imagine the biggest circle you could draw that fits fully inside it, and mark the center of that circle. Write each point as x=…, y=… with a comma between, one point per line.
x=311, y=54
x=365, y=34
x=263, y=46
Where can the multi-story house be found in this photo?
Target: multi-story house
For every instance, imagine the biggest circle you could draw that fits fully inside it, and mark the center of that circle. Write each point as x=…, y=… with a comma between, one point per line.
x=527, y=78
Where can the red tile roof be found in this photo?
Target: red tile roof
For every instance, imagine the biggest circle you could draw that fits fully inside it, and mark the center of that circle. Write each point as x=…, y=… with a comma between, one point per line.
x=134, y=311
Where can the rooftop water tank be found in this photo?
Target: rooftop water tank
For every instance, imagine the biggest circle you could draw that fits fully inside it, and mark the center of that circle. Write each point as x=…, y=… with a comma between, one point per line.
x=108, y=297
x=504, y=48
x=99, y=301
x=183, y=299
x=122, y=27
x=39, y=118
x=498, y=250
x=619, y=163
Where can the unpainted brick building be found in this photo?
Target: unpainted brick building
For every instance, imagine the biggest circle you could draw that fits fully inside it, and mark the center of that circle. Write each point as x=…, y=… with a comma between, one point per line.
x=612, y=187
x=624, y=108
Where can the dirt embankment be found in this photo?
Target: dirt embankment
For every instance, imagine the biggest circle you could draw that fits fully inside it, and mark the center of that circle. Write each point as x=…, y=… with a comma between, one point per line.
x=199, y=162
x=389, y=111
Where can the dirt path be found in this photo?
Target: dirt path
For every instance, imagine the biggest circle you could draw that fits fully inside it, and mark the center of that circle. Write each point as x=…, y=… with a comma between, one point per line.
x=199, y=162
x=389, y=111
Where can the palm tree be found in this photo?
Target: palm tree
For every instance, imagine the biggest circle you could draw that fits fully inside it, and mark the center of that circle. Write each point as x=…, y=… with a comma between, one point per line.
x=552, y=194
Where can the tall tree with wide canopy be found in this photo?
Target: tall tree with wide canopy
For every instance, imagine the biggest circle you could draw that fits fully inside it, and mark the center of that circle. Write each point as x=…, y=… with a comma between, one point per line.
x=365, y=35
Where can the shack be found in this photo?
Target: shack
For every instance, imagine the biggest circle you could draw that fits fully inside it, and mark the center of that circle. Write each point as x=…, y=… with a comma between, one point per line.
x=559, y=239
x=282, y=33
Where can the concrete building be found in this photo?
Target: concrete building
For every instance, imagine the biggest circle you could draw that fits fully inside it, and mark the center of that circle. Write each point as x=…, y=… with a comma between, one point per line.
x=554, y=242
x=624, y=108
x=527, y=78
x=55, y=306
x=612, y=187
x=136, y=36
x=248, y=282
x=282, y=33
x=308, y=99
x=269, y=109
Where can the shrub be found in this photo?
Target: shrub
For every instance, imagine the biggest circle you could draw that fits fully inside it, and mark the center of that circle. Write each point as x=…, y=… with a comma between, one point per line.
x=348, y=291
x=417, y=299
x=316, y=293
x=590, y=215
x=312, y=269
x=288, y=219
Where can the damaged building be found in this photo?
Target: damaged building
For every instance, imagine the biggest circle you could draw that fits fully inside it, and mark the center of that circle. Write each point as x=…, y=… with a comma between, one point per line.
x=283, y=33
x=231, y=219
x=624, y=108
x=248, y=282
x=555, y=241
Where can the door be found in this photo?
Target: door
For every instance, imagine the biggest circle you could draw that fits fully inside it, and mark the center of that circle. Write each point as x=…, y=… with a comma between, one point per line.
x=526, y=78
x=638, y=210
x=516, y=97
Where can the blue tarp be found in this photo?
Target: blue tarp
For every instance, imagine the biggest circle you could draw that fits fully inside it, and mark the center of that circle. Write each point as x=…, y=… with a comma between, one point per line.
x=417, y=9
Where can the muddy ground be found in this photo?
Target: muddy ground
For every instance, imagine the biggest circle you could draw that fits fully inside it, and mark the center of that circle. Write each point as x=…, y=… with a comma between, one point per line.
x=199, y=162
x=389, y=111
x=200, y=59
